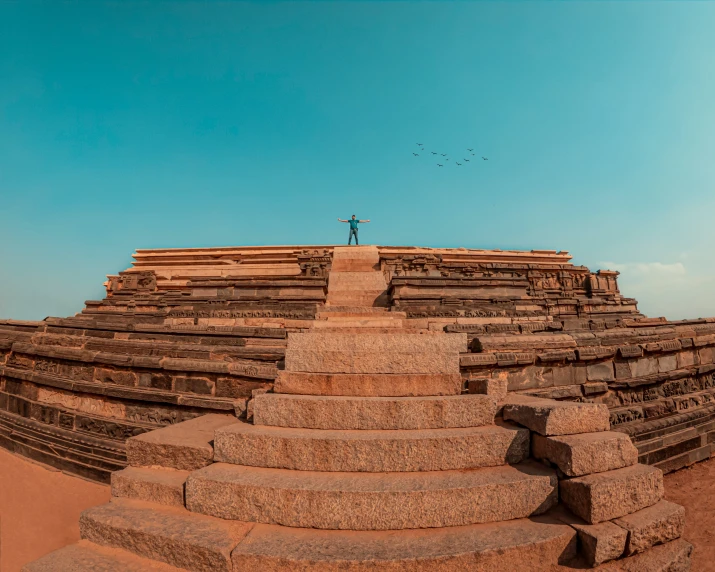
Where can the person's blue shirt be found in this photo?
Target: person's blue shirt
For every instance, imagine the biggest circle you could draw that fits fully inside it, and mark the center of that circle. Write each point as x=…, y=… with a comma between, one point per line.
x=354, y=223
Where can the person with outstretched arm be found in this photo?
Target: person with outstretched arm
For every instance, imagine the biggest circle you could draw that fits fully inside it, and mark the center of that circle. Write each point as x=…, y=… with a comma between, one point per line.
x=353, y=228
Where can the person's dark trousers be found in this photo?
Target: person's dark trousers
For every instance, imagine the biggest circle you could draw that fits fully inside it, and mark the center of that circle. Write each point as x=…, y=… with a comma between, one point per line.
x=353, y=232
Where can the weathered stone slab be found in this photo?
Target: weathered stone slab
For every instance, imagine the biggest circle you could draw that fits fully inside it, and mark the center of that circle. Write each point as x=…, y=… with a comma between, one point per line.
x=609, y=495
x=344, y=412
x=168, y=534
x=369, y=384
x=523, y=544
x=671, y=557
x=656, y=524
x=586, y=453
x=497, y=388
x=371, y=451
x=185, y=446
x=601, y=542
x=86, y=556
x=355, y=259
x=371, y=501
x=162, y=486
x=548, y=417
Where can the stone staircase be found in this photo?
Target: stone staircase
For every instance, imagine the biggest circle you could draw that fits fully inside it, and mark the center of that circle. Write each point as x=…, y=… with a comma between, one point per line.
x=368, y=457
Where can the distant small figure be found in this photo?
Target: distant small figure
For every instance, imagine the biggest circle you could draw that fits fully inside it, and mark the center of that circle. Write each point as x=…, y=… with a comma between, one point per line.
x=440, y=165
x=460, y=164
x=353, y=228
x=433, y=153
x=470, y=149
x=416, y=154
x=485, y=158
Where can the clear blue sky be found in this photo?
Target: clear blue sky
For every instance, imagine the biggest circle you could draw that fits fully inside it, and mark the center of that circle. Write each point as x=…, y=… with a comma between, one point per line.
x=136, y=125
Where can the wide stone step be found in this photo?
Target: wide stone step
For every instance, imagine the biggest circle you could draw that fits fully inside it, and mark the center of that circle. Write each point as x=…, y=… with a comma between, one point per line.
x=371, y=451
x=345, y=323
x=368, y=385
x=162, y=486
x=167, y=534
x=185, y=446
x=86, y=556
x=534, y=544
x=371, y=501
x=329, y=412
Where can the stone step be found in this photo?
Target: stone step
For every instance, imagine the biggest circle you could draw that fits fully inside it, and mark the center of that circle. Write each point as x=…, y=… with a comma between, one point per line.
x=586, y=453
x=167, y=534
x=371, y=501
x=356, y=281
x=336, y=312
x=185, y=446
x=162, y=486
x=357, y=323
x=368, y=385
x=371, y=451
x=662, y=522
x=612, y=494
x=86, y=556
x=671, y=557
x=548, y=417
x=328, y=412
x=355, y=259
x=534, y=544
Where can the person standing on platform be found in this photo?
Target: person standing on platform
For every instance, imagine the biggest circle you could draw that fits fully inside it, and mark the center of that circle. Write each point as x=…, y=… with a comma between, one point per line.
x=353, y=228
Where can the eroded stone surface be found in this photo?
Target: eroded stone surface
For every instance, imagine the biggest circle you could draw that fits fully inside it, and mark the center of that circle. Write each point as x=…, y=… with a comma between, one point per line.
x=548, y=417
x=523, y=544
x=656, y=524
x=168, y=534
x=184, y=446
x=368, y=385
x=371, y=501
x=162, y=486
x=612, y=494
x=371, y=451
x=578, y=455
x=671, y=557
x=327, y=412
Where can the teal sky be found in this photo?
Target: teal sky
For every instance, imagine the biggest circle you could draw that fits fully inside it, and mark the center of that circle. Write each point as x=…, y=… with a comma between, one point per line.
x=135, y=125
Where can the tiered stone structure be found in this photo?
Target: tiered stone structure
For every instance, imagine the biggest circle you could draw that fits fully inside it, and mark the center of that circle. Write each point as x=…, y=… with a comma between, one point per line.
x=368, y=455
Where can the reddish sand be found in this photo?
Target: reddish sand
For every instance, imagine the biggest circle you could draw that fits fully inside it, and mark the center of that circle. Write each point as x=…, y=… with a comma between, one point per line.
x=39, y=509
x=694, y=488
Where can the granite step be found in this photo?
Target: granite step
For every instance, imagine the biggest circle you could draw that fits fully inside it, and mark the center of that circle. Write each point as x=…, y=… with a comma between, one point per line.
x=167, y=534
x=159, y=485
x=357, y=323
x=86, y=556
x=185, y=446
x=371, y=451
x=344, y=412
x=612, y=494
x=371, y=501
x=534, y=544
x=548, y=417
x=368, y=384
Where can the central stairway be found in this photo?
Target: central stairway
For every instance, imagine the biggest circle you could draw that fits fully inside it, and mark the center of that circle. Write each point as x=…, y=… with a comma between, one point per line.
x=366, y=457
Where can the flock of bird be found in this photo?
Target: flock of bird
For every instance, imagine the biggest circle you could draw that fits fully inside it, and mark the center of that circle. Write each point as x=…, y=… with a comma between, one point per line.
x=423, y=150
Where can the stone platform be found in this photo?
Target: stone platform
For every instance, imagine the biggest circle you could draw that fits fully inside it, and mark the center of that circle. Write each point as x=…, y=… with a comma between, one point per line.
x=371, y=450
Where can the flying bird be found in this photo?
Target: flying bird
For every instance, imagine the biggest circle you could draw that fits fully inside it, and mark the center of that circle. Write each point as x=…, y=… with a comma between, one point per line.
x=460, y=164
x=467, y=160
x=440, y=165
x=420, y=144
x=444, y=154
x=485, y=158
x=470, y=149
x=415, y=154
x=472, y=154
x=433, y=153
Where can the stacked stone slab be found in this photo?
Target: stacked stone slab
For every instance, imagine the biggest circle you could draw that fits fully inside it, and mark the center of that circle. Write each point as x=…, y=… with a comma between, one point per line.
x=368, y=456
x=618, y=501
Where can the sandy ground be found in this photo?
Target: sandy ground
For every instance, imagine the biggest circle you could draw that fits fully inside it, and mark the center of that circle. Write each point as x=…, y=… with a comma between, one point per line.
x=39, y=509
x=694, y=488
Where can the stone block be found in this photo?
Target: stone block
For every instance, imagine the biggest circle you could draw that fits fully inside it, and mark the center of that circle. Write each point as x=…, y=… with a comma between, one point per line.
x=686, y=358
x=199, y=385
x=656, y=524
x=644, y=366
x=185, y=446
x=601, y=542
x=623, y=370
x=523, y=544
x=168, y=534
x=600, y=371
x=706, y=356
x=370, y=362
x=667, y=363
x=345, y=412
x=405, y=450
x=371, y=501
x=594, y=388
x=586, y=453
x=162, y=486
x=671, y=557
x=368, y=385
x=548, y=417
x=496, y=388
x=612, y=494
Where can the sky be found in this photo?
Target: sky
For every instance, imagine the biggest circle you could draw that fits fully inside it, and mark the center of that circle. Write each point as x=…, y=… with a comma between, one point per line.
x=128, y=125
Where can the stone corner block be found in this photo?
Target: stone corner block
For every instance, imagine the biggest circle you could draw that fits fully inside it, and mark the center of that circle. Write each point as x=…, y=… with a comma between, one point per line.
x=548, y=417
